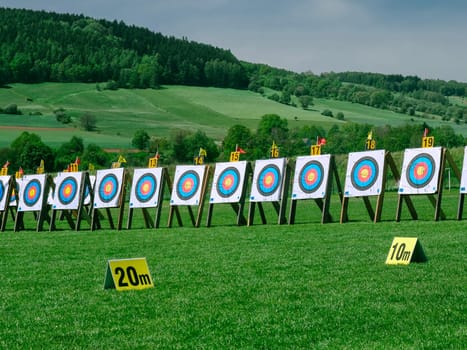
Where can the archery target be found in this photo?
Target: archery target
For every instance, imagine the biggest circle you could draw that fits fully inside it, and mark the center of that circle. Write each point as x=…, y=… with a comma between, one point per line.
x=87, y=190
x=310, y=177
x=67, y=190
x=227, y=184
x=14, y=194
x=420, y=171
x=267, y=180
x=145, y=188
x=108, y=188
x=463, y=184
x=4, y=186
x=187, y=185
x=31, y=192
x=364, y=176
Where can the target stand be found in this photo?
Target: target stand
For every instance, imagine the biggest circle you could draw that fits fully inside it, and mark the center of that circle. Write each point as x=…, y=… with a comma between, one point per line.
x=366, y=176
x=71, y=189
x=229, y=186
x=32, y=197
x=271, y=178
x=313, y=180
x=189, y=189
x=147, y=191
x=463, y=187
x=7, y=184
x=109, y=192
x=423, y=173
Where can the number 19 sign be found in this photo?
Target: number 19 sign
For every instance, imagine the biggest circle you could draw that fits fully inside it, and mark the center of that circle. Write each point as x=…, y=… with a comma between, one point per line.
x=126, y=274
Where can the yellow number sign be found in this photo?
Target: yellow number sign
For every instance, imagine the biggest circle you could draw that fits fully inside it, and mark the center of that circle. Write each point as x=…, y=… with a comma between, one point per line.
x=127, y=274
x=315, y=150
x=405, y=250
x=234, y=156
x=428, y=141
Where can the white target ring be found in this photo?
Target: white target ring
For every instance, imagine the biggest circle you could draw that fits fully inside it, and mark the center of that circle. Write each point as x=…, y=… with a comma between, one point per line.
x=420, y=171
x=267, y=180
x=310, y=177
x=228, y=181
x=364, y=175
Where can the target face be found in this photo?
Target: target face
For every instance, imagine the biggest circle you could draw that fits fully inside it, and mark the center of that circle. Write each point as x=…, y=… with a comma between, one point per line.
x=420, y=171
x=187, y=185
x=145, y=188
x=463, y=184
x=364, y=173
x=108, y=188
x=87, y=190
x=228, y=180
x=31, y=193
x=67, y=190
x=267, y=180
x=4, y=186
x=310, y=177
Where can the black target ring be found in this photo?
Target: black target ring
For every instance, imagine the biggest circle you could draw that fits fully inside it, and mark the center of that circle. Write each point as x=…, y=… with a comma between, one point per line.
x=364, y=173
x=67, y=190
x=145, y=187
x=228, y=182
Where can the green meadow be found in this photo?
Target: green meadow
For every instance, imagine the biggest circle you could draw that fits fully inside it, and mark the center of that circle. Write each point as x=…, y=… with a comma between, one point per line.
x=120, y=113
x=302, y=286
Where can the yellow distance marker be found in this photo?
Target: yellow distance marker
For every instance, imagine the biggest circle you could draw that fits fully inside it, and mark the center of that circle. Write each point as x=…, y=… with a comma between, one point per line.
x=315, y=150
x=128, y=274
x=405, y=250
x=428, y=141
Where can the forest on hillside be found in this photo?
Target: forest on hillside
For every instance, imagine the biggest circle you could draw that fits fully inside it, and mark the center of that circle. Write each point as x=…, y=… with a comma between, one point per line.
x=39, y=46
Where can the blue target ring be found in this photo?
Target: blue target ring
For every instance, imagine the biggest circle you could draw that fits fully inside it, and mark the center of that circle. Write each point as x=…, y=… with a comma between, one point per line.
x=108, y=188
x=269, y=180
x=2, y=190
x=145, y=187
x=32, y=192
x=228, y=182
x=364, y=173
x=67, y=190
x=311, y=176
x=421, y=170
x=187, y=185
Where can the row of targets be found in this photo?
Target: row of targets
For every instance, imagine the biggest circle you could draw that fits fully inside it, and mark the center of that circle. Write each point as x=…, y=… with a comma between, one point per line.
x=76, y=196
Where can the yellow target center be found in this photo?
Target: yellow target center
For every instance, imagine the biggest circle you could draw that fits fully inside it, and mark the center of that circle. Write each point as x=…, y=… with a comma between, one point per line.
x=108, y=188
x=311, y=177
x=32, y=192
x=67, y=190
x=228, y=182
x=187, y=186
x=364, y=174
x=146, y=188
x=268, y=180
x=420, y=171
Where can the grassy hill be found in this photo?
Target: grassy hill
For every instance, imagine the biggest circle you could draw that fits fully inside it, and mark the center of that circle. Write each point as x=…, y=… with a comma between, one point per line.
x=120, y=113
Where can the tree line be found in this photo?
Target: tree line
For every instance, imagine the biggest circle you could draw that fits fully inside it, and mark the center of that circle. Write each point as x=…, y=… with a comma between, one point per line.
x=39, y=46
x=181, y=146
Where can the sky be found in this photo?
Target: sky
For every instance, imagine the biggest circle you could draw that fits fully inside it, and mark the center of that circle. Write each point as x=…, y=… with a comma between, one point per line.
x=410, y=37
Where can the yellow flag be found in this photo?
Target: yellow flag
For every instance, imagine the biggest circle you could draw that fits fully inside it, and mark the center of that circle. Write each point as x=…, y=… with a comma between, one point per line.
x=121, y=159
x=202, y=152
x=370, y=135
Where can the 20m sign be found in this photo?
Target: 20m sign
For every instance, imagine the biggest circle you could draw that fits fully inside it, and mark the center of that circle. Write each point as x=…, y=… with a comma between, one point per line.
x=127, y=274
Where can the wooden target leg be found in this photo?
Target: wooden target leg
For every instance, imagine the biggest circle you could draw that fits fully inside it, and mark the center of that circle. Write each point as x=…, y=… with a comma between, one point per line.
x=460, y=207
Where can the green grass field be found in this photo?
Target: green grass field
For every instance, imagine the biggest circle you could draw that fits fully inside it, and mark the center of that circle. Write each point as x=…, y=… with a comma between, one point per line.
x=120, y=113
x=307, y=285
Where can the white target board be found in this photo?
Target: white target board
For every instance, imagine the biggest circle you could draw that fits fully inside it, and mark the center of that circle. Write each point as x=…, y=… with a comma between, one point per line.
x=364, y=175
x=4, y=187
x=188, y=184
x=108, y=188
x=67, y=190
x=420, y=171
x=31, y=192
x=267, y=180
x=228, y=181
x=463, y=184
x=145, y=188
x=310, y=177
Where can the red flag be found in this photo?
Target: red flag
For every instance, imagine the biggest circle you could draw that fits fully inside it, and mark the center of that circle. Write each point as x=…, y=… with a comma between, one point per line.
x=321, y=141
x=425, y=133
x=21, y=171
x=238, y=149
x=77, y=160
x=157, y=156
x=6, y=164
